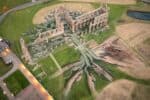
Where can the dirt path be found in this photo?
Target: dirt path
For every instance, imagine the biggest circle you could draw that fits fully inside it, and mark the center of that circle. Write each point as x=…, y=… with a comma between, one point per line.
x=128, y=61
x=41, y=14
x=134, y=34
x=124, y=90
x=123, y=2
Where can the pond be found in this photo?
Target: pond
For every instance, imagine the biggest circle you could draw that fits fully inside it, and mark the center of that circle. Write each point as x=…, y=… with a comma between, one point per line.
x=139, y=15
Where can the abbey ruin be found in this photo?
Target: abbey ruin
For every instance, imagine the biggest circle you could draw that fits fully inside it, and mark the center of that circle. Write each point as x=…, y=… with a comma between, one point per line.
x=62, y=21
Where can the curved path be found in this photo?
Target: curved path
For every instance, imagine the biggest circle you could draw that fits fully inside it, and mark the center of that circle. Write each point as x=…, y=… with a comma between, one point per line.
x=23, y=6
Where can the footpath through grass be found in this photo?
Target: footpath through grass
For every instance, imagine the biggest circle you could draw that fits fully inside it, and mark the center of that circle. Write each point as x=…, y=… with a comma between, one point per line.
x=16, y=82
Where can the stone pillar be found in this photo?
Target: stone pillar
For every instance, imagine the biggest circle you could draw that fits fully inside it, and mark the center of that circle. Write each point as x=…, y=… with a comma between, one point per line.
x=33, y=0
x=73, y=26
x=90, y=28
x=26, y=54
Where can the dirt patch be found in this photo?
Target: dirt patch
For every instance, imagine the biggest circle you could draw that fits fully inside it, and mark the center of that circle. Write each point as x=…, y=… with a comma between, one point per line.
x=123, y=2
x=135, y=34
x=124, y=90
x=122, y=55
x=41, y=14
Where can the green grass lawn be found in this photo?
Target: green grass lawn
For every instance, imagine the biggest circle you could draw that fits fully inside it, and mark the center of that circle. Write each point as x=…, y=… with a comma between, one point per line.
x=3, y=68
x=16, y=82
x=21, y=21
x=80, y=89
x=2, y=96
x=63, y=58
x=8, y=4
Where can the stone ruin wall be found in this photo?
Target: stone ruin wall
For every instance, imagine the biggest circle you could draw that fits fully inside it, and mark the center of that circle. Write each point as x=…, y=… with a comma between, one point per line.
x=44, y=36
x=26, y=54
x=96, y=19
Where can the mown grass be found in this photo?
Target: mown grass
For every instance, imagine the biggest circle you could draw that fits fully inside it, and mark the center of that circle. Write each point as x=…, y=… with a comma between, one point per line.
x=8, y=4
x=16, y=82
x=2, y=96
x=64, y=55
x=3, y=68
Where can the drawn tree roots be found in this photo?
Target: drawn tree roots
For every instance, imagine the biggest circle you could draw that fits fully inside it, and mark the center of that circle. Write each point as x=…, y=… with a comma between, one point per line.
x=86, y=63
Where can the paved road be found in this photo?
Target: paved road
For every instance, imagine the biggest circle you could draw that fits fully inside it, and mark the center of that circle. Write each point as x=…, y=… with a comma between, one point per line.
x=23, y=6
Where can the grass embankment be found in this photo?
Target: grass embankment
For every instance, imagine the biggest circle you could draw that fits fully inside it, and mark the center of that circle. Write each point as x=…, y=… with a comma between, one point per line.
x=16, y=82
x=8, y=4
x=2, y=96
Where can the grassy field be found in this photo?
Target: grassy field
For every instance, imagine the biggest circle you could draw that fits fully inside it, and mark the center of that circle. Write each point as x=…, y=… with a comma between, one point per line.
x=3, y=68
x=61, y=55
x=8, y=4
x=2, y=96
x=16, y=82
x=80, y=90
x=21, y=21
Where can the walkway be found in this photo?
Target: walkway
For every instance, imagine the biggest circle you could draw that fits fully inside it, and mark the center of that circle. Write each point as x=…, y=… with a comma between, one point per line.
x=23, y=6
x=41, y=90
x=55, y=61
x=17, y=64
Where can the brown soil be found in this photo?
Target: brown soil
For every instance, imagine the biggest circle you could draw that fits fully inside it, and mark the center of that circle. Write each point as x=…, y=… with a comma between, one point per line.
x=128, y=60
x=124, y=2
x=124, y=90
x=41, y=14
x=135, y=34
